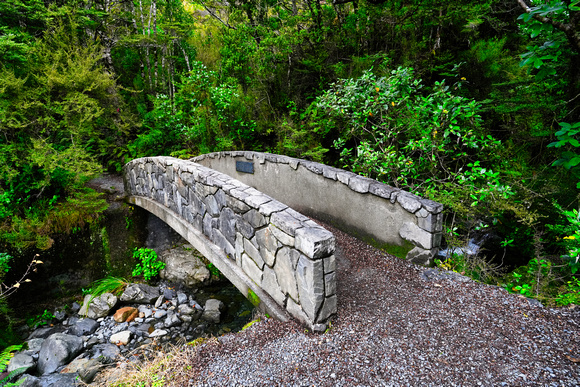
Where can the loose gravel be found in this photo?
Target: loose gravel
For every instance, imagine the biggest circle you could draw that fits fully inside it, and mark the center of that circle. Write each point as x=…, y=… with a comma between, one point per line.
x=397, y=325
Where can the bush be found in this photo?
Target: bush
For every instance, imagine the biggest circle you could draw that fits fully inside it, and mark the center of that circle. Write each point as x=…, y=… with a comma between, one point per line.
x=149, y=266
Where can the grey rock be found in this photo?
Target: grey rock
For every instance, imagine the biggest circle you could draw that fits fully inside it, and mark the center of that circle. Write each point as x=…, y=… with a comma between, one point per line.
x=271, y=286
x=286, y=261
x=329, y=309
x=75, y=307
x=359, y=184
x=58, y=380
x=27, y=380
x=83, y=327
x=60, y=315
x=34, y=345
x=105, y=353
x=159, y=314
x=417, y=236
x=140, y=294
x=314, y=242
x=212, y=310
x=285, y=222
x=421, y=256
x=168, y=294
x=172, y=320
x=310, y=281
x=251, y=269
x=98, y=306
x=255, y=218
x=182, y=266
x=57, y=350
x=159, y=301
x=254, y=253
x=89, y=370
x=43, y=333
x=181, y=298
x=409, y=202
x=21, y=361
x=158, y=333
x=121, y=338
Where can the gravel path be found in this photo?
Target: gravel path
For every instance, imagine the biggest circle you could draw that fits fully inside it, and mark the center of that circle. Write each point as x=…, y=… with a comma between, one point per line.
x=398, y=325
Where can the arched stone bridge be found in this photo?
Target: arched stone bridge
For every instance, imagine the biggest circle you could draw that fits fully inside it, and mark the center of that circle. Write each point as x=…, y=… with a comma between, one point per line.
x=280, y=259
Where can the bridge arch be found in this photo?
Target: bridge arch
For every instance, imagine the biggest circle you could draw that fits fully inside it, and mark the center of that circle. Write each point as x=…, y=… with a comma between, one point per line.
x=278, y=258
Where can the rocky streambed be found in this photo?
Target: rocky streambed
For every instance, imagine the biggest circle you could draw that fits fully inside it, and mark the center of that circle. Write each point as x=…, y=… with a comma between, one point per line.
x=83, y=340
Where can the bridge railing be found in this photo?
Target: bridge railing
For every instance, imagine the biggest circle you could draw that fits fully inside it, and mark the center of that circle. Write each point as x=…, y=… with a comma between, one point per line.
x=390, y=218
x=282, y=252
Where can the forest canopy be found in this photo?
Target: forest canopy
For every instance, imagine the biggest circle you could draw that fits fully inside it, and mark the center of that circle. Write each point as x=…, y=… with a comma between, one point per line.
x=470, y=103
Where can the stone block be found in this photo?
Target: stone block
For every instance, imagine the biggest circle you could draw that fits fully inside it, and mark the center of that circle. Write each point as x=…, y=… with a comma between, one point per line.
x=410, y=203
x=314, y=242
x=220, y=197
x=344, y=176
x=431, y=206
x=268, y=208
x=245, y=228
x=285, y=222
x=329, y=264
x=227, y=224
x=421, y=256
x=266, y=239
x=417, y=236
x=255, y=218
x=296, y=311
x=212, y=206
x=237, y=205
x=257, y=200
x=222, y=242
x=310, y=282
x=284, y=238
x=312, y=166
x=328, y=309
x=271, y=286
x=286, y=262
x=251, y=269
x=208, y=225
x=431, y=222
x=359, y=184
x=239, y=247
x=330, y=283
x=329, y=172
x=254, y=253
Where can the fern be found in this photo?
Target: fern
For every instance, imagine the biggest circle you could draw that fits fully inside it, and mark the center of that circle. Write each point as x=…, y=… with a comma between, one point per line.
x=5, y=357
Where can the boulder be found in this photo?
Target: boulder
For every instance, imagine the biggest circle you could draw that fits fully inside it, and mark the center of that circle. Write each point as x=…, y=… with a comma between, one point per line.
x=27, y=380
x=58, y=380
x=21, y=361
x=140, y=294
x=89, y=370
x=127, y=314
x=84, y=327
x=212, y=310
x=182, y=266
x=105, y=353
x=98, y=306
x=57, y=350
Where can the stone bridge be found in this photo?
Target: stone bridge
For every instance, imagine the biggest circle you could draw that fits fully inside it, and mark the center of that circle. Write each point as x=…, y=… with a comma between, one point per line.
x=282, y=261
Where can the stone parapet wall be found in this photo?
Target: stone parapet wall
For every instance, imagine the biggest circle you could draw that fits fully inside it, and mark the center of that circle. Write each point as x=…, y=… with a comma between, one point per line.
x=283, y=252
x=386, y=216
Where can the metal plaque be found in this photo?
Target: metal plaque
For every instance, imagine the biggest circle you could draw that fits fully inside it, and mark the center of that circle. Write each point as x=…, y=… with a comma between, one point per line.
x=245, y=166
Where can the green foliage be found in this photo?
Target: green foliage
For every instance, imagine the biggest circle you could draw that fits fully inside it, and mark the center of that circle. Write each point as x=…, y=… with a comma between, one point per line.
x=213, y=270
x=570, y=294
x=44, y=318
x=109, y=284
x=253, y=298
x=205, y=115
x=149, y=266
x=568, y=138
x=572, y=242
x=5, y=357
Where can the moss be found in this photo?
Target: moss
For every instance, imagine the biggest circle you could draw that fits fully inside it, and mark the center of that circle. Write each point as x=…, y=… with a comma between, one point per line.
x=253, y=298
x=250, y=324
